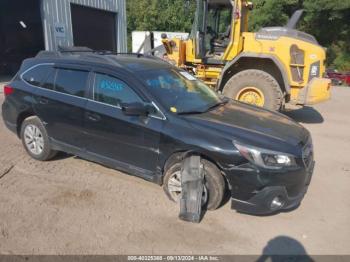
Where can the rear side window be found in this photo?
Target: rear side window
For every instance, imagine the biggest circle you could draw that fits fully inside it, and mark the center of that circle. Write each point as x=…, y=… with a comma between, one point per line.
x=37, y=75
x=72, y=82
x=111, y=90
x=49, y=82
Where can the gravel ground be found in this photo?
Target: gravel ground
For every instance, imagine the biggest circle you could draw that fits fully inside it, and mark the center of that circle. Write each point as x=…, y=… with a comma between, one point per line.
x=72, y=206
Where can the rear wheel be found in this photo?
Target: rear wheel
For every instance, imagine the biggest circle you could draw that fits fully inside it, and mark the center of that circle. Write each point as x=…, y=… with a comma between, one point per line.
x=255, y=87
x=35, y=139
x=214, y=185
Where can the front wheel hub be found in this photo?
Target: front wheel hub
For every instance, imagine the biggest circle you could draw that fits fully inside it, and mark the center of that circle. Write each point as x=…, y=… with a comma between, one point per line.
x=175, y=189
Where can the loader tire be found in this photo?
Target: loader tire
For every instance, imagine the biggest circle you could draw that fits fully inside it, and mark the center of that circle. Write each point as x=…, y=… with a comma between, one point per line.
x=255, y=87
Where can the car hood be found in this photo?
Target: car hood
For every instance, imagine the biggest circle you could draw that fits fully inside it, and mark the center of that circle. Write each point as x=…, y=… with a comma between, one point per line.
x=251, y=125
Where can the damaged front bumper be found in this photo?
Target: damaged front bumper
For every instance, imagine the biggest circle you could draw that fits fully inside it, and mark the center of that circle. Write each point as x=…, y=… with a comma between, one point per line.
x=267, y=201
x=261, y=193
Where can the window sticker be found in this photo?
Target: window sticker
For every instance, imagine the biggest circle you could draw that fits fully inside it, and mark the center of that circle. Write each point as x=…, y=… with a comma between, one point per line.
x=111, y=85
x=188, y=76
x=153, y=83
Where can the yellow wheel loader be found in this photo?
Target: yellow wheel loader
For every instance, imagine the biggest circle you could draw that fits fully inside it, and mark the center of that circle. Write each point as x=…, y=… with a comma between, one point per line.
x=269, y=68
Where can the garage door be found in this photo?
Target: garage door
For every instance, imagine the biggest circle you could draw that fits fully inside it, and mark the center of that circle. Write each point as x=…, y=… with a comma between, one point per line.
x=94, y=28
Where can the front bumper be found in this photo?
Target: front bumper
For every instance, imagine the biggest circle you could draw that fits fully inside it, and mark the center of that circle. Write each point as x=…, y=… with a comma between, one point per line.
x=318, y=90
x=263, y=202
x=259, y=193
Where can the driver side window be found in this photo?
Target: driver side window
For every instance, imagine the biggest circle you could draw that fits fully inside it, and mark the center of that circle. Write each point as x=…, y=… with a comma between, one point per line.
x=113, y=91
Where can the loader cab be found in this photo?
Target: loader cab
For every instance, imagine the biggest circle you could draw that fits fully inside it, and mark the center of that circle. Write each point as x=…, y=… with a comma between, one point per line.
x=217, y=28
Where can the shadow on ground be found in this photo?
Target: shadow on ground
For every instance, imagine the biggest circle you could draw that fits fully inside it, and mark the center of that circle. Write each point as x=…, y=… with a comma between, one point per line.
x=307, y=115
x=60, y=156
x=283, y=248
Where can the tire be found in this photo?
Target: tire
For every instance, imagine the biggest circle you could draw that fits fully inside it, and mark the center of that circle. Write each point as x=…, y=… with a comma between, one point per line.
x=32, y=129
x=214, y=184
x=260, y=80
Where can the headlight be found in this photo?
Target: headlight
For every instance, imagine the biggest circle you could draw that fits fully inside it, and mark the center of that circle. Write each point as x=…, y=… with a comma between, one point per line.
x=265, y=158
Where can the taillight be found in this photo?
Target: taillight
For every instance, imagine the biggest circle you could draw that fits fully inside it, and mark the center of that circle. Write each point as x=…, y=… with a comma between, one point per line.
x=8, y=90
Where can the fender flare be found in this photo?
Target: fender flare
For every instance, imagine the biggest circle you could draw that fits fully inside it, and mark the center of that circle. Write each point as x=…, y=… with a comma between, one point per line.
x=274, y=59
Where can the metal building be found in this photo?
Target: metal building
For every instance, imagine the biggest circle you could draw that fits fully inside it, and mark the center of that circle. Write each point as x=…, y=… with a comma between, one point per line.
x=28, y=26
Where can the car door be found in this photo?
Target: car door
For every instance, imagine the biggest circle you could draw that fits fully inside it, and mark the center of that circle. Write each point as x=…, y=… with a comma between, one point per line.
x=60, y=104
x=128, y=142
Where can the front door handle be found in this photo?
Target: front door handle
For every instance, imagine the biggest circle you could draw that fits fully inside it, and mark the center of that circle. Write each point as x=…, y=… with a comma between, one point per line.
x=93, y=117
x=43, y=101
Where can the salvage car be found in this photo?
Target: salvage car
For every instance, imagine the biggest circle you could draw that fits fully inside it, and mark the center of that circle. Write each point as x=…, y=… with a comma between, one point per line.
x=142, y=116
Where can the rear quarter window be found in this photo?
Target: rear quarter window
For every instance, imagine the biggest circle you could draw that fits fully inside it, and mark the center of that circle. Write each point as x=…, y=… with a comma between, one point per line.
x=37, y=74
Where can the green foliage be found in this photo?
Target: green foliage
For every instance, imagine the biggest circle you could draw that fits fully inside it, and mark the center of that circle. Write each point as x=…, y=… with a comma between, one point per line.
x=339, y=56
x=152, y=15
x=272, y=13
x=327, y=20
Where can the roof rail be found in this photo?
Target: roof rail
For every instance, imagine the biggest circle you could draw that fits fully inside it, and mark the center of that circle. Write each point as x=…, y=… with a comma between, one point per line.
x=63, y=50
x=134, y=54
x=83, y=49
x=138, y=55
x=107, y=52
x=73, y=49
x=80, y=50
x=47, y=54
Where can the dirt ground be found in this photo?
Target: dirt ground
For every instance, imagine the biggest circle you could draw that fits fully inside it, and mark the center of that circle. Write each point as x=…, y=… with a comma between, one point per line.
x=71, y=206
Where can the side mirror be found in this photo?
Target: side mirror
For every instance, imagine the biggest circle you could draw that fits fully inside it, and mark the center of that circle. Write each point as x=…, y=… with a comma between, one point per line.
x=136, y=109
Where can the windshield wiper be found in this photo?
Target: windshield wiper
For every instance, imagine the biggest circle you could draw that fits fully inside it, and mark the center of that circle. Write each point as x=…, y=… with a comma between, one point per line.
x=191, y=112
x=224, y=101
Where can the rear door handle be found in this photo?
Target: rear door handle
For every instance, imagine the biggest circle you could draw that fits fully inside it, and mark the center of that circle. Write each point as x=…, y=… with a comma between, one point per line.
x=43, y=101
x=93, y=117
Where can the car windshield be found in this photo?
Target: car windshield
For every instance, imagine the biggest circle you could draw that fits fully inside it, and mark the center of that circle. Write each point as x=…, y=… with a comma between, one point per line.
x=179, y=91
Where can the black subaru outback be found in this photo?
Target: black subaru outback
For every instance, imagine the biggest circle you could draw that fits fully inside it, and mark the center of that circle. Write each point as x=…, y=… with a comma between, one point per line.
x=142, y=116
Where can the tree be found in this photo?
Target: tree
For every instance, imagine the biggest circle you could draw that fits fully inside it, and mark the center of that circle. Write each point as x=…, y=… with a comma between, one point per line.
x=327, y=20
x=272, y=13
